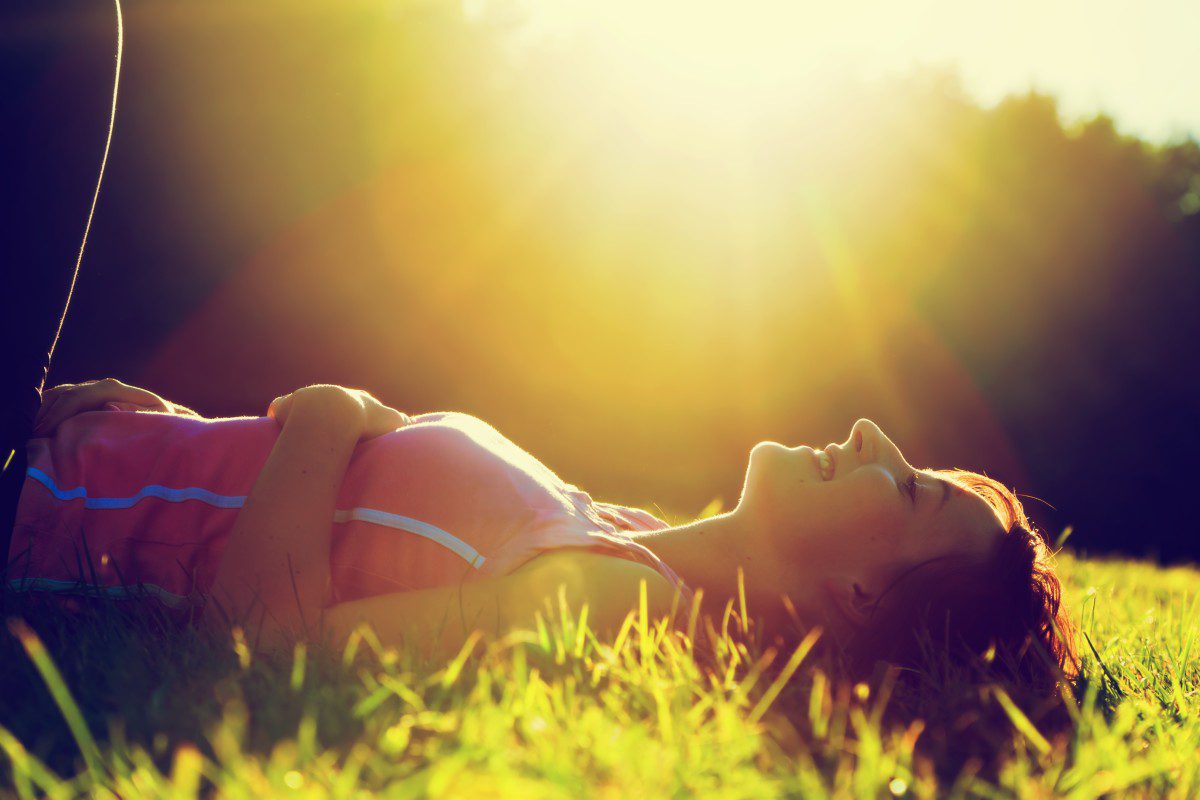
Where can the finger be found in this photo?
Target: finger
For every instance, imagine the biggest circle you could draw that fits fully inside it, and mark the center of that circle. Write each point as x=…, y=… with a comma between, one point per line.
x=77, y=402
x=55, y=391
x=141, y=397
x=160, y=405
x=279, y=408
x=398, y=419
x=48, y=403
x=65, y=407
x=50, y=414
x=121, y=405
x=149, y=400
x=52, y=396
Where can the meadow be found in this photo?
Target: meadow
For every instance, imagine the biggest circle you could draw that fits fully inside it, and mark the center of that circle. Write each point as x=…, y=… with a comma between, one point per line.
x=105, y=703
x=461, y=208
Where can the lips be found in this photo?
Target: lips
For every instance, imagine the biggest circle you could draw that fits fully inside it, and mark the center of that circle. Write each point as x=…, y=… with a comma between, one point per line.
x=826, y=465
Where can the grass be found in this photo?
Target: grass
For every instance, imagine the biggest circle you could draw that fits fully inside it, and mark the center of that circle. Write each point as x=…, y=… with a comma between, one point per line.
x=105, y=703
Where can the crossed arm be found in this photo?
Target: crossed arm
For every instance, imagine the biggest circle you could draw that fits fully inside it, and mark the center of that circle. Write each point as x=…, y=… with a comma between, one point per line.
x=274, y=574
x=68, y=399
x=278, y=555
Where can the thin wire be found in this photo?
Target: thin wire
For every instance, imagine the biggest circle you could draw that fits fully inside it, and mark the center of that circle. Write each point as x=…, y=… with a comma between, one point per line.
x=112, y=121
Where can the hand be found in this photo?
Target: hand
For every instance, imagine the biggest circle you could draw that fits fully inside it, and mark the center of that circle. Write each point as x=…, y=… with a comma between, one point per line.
x=68, y=399
x=373, y=416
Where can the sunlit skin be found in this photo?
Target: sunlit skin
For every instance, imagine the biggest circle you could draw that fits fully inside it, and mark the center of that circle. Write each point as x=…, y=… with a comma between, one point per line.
x=833, y=546
x=831, y=536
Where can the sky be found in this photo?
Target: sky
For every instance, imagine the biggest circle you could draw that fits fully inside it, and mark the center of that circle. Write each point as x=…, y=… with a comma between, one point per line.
x=1135, y=62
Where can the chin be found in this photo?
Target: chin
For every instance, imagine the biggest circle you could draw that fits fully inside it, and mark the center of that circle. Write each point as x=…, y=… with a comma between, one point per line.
x=766, y=453
x=774, y=477
x=762, y=456
x=771, y=461
x=758, y=489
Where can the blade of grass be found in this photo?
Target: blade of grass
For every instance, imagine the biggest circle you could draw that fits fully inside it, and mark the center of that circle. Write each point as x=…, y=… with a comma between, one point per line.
x=27, y=769
x=743, y=622
x=1021, y=722
x=61, y=694
x=299, y=664
x=785, y=675
x=1120, y=691
x=186, y=769
x=455, y=667
x=581, y=630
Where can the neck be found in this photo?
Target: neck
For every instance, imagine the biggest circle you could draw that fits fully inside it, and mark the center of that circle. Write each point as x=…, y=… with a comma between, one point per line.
x=707, y=553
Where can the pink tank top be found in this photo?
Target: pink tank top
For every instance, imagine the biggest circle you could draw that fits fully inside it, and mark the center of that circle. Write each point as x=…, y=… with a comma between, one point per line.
x=126, y=503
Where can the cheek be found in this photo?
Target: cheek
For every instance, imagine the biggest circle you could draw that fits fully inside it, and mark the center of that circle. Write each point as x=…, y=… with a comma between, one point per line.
x=859, y=514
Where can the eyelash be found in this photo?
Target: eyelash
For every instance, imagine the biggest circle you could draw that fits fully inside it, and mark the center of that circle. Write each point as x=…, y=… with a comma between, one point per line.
x=910, y=486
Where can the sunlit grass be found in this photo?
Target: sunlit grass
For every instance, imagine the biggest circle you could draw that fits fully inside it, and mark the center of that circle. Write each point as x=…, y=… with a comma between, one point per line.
x=554, y=712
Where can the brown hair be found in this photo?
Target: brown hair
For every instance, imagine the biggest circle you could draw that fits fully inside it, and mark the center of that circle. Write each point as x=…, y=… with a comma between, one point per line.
x=1004, y=609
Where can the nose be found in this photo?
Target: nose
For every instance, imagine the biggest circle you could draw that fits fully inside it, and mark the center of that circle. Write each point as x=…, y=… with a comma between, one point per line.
x=874, y=445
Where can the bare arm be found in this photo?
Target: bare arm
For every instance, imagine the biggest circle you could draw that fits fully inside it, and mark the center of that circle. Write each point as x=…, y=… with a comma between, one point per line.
x=276, y=562
x=68, y=399
x=438, y=621
x=275, y=566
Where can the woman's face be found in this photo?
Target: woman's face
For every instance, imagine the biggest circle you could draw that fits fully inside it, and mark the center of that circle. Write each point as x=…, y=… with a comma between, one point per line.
x=851, y=517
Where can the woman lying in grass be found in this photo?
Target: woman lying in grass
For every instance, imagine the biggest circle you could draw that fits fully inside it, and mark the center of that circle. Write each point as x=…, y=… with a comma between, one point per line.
x=335, y=509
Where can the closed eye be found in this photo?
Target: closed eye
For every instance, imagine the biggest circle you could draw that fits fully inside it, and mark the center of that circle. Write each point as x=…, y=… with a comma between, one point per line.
x=910, y=486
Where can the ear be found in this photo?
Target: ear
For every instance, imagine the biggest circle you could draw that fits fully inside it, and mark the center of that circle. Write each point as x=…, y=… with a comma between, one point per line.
x=852, y=598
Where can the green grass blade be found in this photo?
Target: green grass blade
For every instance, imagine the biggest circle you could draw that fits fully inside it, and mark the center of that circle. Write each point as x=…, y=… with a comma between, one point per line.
x=1021, y=722
x=785, y=675
x=61, y=694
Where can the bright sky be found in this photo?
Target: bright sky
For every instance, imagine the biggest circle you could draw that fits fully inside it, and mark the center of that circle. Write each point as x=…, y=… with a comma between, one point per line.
x=1133, y=61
